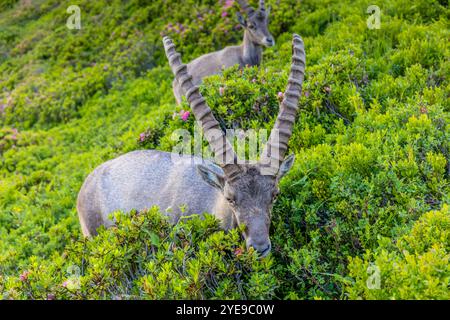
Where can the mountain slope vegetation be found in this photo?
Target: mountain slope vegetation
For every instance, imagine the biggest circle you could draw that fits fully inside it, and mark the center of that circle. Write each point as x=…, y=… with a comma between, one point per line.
x=363, y=214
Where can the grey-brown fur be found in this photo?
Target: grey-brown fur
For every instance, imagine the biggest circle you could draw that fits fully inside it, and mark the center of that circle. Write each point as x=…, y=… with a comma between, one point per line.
x=256, y=36
x=235, y=193
x=141, y=179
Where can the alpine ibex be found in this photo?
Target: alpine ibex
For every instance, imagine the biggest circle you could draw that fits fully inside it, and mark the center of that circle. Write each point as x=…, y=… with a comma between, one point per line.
x=256, y=35
x=235, y=191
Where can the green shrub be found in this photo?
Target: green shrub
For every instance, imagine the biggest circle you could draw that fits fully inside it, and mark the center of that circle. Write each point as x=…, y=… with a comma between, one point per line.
x=145, y=258
x=415, y=266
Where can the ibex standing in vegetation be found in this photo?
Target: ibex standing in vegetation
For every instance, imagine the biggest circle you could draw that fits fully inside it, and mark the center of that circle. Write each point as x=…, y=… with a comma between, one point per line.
x=256, y=35
x=235, y=193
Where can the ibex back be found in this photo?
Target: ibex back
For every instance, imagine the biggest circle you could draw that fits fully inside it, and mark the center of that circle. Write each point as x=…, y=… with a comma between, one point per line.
x=235, y=193
x=256, y=35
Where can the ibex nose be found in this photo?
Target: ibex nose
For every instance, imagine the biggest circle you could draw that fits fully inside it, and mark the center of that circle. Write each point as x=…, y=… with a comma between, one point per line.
x=263, y=248
x=270, y=41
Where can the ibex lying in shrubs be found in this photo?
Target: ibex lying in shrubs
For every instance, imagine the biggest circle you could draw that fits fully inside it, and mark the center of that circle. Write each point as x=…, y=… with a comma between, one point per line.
x=235, y=193
x=256, y=35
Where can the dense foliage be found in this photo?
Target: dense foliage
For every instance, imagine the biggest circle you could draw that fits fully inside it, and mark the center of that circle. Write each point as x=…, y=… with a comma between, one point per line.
x=368, y=194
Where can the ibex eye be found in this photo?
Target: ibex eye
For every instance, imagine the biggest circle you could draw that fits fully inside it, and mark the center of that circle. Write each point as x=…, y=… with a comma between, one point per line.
x=230, y=200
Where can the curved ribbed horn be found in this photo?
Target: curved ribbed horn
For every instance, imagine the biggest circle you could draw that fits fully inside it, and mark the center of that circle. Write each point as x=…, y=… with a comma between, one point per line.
x=247, y=8
x=223, y=150
x=277, y=144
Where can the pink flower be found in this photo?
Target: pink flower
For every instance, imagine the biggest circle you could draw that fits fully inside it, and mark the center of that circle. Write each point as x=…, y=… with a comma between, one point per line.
x=224, y=14
x=228, y=4
x=280, y=95
x=306, y=93
x=142, y=137
x=14, y=134
x=51, y=296
x=65, y=284
x=238, y=252
x=24, y=276
x=254, y=80
x=221, y=91
x=185, y=116
x=327, y=89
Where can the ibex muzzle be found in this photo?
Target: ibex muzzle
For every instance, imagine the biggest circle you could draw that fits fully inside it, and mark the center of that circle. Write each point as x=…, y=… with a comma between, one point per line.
x=236, y=193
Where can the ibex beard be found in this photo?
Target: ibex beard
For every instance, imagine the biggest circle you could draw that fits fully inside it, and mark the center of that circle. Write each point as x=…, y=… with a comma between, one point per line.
x=236, y=193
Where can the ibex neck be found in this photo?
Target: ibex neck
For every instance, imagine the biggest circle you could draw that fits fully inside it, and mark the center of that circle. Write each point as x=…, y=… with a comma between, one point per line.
x=251, y=52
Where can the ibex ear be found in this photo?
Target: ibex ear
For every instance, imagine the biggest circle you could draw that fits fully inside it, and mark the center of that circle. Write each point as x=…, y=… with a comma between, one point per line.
x=212, y=174
x=286, y=166
x=241, y=19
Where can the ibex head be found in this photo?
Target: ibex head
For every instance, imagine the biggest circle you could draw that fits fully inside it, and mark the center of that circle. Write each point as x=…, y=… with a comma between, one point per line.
x=256, y=23
x=249, y=189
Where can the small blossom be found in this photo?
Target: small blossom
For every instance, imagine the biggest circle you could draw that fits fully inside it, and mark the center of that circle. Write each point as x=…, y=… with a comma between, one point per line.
x=306, y=93
x=224, y=14
x=142, y=137
x=238, y=252
x=185, y=116
x=228, y=4
x=65, y=284
x=280, y=95
x=254, y=80
x=14, y=134
x=51, y=296
x=24, y=276
x=423, y=110
x=221, y=91
x=327, y=89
